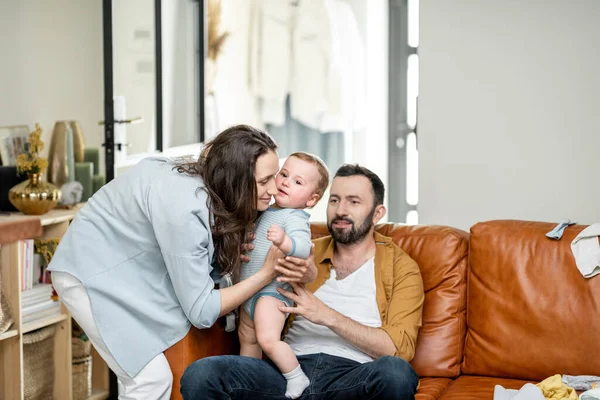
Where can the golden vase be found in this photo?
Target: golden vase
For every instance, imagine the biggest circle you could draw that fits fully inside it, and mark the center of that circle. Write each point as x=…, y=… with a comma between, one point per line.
x=33, y=196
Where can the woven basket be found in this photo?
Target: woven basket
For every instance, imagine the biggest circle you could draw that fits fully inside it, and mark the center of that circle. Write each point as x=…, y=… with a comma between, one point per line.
x=80, y=348
x=38, y=364
x=82, y=377
x=6, y=319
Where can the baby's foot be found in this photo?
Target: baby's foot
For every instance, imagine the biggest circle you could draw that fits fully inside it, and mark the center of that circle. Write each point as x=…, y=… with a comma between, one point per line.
x=297, y=381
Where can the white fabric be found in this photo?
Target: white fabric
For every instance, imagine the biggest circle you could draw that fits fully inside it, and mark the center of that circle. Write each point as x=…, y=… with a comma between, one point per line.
x=290, y=53
x=528, y=392
x=593, y=394
x=154, y=381
x=347, y=73
x=354, y=297
x=311, y=47
x=586, y=251
x=270, y=56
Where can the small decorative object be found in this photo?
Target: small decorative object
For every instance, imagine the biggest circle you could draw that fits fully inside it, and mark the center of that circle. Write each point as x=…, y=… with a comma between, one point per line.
x=71, y=193
x=97, y=182
x=33, y=197
x=66, y=148
x=92, y=154
x=84, y=172
x=46, y=249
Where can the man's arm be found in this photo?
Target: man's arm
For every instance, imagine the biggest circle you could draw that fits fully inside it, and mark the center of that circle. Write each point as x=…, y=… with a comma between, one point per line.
x=373, y=341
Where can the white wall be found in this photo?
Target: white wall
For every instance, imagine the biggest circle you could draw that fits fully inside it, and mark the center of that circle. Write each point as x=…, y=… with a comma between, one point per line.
x=509, y=111
x=51, y=65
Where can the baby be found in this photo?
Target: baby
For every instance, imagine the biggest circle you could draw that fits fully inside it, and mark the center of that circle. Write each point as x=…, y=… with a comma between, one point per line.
x=300, y=184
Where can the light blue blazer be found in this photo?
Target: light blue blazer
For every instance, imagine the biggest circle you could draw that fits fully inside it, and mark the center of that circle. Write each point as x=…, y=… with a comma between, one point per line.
x=142, y=248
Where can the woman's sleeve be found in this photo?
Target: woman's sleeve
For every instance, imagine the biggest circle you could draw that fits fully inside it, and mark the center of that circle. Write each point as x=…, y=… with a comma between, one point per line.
x=182, y=233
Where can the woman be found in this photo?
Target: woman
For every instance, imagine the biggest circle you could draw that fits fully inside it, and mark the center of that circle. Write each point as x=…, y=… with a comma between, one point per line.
x=134, y=268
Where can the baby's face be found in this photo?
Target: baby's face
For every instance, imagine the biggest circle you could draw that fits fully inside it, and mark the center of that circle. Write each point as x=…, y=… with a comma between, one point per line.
x=296, y=184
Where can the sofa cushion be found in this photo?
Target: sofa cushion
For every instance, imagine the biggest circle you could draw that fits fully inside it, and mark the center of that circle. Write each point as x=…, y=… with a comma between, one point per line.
x=530, y=314
x=431, y=388
x=478, y=387
x=441, y=253
x=197, y=344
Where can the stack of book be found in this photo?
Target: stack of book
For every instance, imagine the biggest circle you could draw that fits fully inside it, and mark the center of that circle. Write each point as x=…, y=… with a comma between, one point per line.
x=28, y=275
x=37, y=303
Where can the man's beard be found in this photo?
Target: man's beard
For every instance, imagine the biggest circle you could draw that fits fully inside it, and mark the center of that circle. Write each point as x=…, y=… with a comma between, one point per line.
x=352, y=235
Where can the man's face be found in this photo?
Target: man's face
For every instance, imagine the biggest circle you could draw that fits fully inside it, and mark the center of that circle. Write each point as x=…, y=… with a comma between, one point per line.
x=351, y=211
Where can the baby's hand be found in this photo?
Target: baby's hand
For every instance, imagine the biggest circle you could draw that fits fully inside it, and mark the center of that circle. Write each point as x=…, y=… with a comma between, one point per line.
x=276, y=235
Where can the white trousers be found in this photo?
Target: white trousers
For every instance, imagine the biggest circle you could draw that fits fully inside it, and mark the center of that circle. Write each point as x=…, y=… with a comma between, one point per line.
x=154, y=381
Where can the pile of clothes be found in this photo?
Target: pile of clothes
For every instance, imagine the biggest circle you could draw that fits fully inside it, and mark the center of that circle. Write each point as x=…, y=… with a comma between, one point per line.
x=556, y=387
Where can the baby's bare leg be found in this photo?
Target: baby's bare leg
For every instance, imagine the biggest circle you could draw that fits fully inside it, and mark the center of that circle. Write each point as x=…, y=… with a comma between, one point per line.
x=269, y=322
x=248, y=344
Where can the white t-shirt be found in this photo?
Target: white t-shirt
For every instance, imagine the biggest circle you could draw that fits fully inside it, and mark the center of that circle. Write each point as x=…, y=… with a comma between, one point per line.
x=354, y=297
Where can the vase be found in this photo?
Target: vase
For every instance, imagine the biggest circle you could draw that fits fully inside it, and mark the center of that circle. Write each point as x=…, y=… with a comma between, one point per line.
x=33, y=196
x=66, y=148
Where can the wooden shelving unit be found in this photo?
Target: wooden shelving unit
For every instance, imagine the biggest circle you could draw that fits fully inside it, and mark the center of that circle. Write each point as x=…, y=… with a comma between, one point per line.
x=13, y=228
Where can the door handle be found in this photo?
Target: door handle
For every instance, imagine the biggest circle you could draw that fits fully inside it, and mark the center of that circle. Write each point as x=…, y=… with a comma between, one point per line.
x=135, y=120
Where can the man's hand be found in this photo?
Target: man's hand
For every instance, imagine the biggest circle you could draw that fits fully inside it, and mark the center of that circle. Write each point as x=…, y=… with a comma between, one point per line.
x=373, y=341
x=276, y=235
x=307, y=305
x=293, y=269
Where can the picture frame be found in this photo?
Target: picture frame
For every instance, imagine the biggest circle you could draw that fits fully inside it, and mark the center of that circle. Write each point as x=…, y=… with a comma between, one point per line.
x=13, y=139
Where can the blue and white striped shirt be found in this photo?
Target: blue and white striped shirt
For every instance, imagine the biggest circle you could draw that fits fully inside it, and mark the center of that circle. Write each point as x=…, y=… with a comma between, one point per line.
x=296, y=225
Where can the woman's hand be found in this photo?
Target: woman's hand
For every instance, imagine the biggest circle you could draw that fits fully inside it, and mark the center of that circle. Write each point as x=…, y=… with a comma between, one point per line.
x=293, y=269
x=271, y=261
x=233, y=296
x=247, y=247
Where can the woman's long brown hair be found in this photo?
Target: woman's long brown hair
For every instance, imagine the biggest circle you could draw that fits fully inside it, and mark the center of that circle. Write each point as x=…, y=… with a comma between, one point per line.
x=226, y=165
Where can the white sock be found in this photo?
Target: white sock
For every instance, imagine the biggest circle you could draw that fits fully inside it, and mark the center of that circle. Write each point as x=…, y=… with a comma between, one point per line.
x=297, y=381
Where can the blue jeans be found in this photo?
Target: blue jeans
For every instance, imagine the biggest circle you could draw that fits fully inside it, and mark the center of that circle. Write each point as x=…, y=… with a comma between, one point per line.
x=331, y=377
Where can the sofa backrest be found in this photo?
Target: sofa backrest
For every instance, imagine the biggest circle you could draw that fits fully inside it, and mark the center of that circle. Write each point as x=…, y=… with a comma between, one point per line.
x=530, y=312
x=441, y=253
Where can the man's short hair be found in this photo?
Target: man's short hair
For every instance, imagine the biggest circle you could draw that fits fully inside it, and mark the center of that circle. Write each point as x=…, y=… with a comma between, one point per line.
x=376, y=183
x=321, y=167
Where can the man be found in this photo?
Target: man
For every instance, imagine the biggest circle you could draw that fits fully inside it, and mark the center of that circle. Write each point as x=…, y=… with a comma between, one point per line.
x=354, y=328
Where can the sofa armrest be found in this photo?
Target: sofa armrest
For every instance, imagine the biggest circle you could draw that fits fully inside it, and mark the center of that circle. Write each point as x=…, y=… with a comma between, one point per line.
x=197, y=344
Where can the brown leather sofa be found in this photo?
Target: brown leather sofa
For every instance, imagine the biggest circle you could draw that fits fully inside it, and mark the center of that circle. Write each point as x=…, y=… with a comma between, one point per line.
x=504, y=305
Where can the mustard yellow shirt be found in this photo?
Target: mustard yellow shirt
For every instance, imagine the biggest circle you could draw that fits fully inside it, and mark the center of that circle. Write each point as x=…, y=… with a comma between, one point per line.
x=399, y=290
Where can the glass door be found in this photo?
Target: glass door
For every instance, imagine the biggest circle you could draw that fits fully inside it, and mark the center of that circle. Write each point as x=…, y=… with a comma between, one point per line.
x=132, y=80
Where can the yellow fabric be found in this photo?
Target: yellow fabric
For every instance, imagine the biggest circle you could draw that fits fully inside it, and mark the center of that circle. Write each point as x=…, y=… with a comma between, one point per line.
x=553, y=388
x=398, y=290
